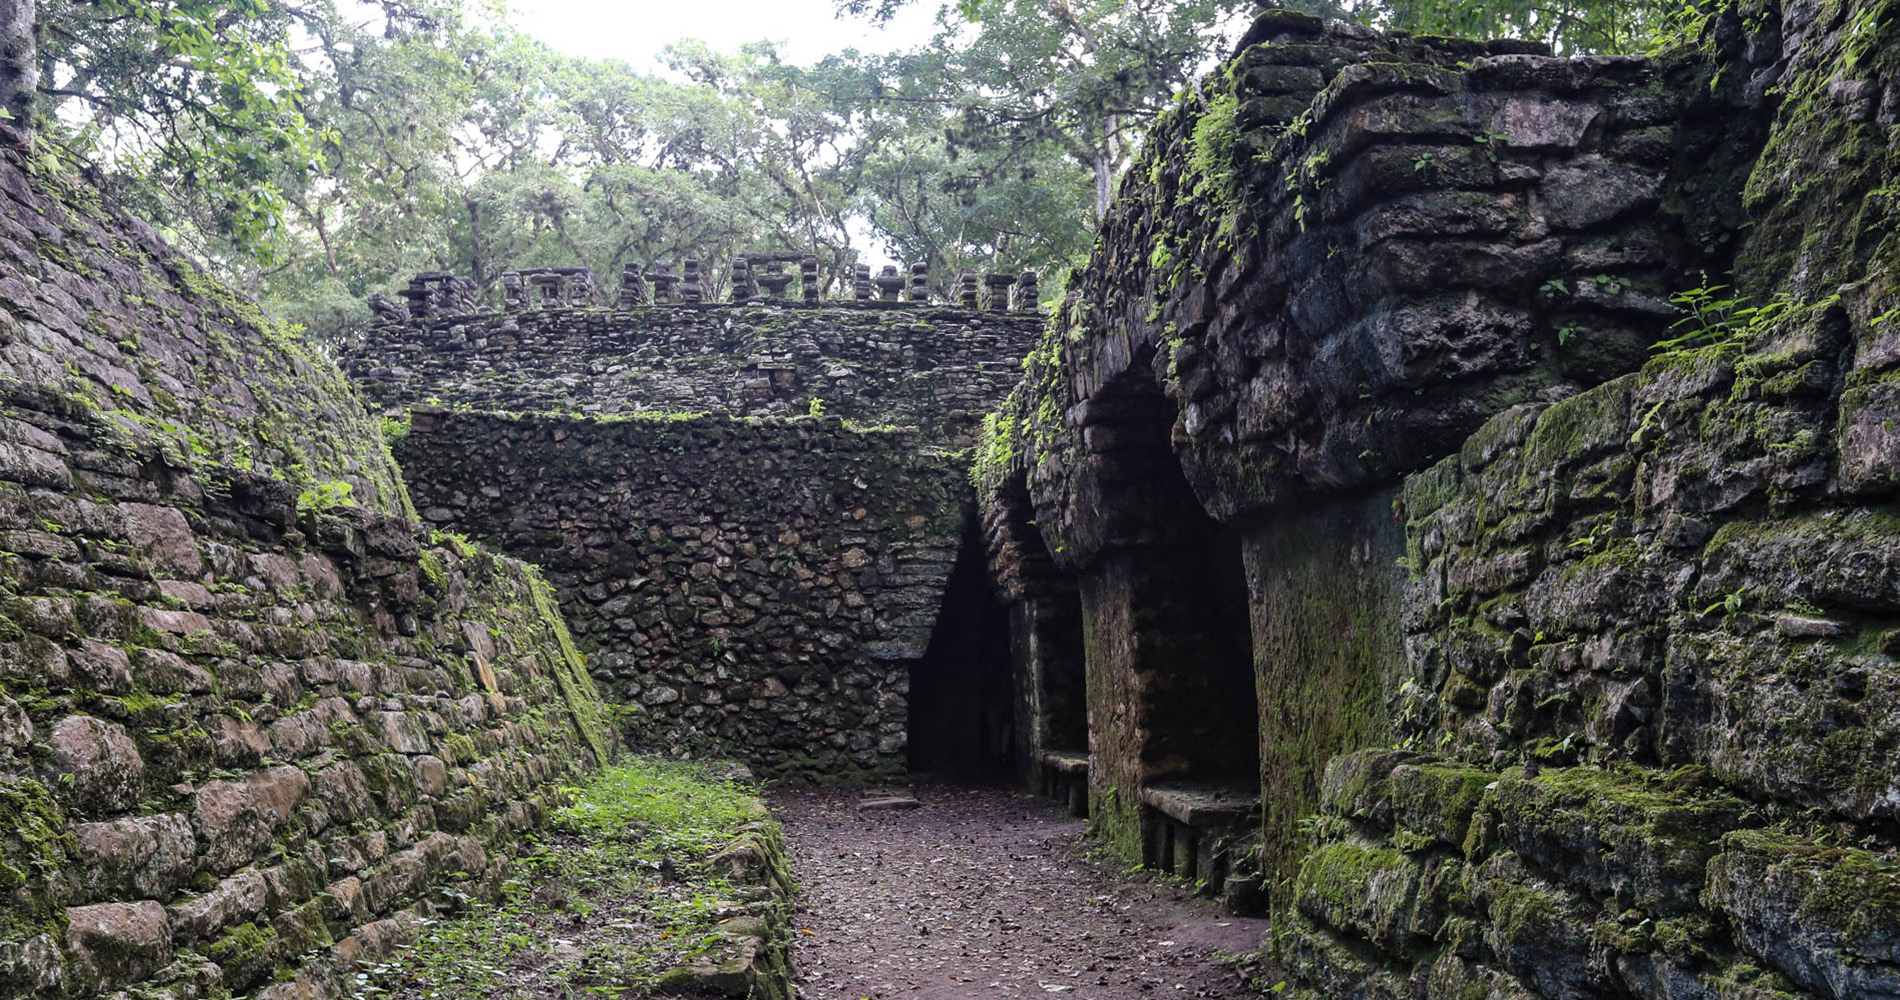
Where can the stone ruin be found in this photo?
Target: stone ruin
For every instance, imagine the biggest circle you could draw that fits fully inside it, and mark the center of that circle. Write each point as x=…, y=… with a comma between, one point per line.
x=1361, y=557
x=753, y=276
x=547, y=288
x=437, y=293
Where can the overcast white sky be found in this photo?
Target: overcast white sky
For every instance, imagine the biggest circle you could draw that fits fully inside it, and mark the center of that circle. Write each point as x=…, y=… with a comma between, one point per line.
x=636, y=30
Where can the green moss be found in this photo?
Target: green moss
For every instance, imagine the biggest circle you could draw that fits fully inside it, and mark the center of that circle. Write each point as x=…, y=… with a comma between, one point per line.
x=433, y=572
x=570, y=673
x=1326, y=651
x=35, y=842
x=246, y=953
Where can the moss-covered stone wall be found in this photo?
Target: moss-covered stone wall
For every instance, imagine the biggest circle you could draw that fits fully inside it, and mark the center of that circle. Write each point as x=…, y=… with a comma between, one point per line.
x=1323, y=589
x=256, y=725
x=935, y=368
x=1575, y=635
x=1649, y=724
x=760, y=586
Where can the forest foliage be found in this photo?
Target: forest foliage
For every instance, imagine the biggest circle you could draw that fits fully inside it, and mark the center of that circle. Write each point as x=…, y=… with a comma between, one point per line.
x=316, y=151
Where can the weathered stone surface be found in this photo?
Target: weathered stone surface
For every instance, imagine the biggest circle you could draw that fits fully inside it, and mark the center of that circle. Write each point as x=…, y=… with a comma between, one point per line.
x=99, y=767
x=1827, y=917
x=146, y=856
x=116, y=944
x=935, y=368
x=760, y=586
x=171, y=623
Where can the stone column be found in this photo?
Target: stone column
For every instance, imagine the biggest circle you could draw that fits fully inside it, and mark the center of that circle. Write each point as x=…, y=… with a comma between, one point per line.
x=775, y=280
x=966, y=289
x=808, y=278
x=633, y=288
x=662, y=279
x=1026, y=294
x=890, y=284
x=920, y=281
x=996, y=292
x=743, y=285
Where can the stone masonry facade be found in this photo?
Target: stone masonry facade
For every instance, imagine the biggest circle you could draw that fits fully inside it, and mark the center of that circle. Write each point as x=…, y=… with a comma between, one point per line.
x=751, y=586
x=253, y=718
x=751, y=510
x=1572, y=637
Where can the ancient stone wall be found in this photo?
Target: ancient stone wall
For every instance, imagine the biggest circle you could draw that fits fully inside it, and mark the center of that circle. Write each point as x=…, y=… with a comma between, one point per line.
x=1650, y=628
x=1340, y=255
x=762, y=587
x=903, y=364
x=253, y=721
x=1620, y=718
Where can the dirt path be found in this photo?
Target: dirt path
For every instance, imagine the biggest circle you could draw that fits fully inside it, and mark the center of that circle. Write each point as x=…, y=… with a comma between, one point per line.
x=989, y=893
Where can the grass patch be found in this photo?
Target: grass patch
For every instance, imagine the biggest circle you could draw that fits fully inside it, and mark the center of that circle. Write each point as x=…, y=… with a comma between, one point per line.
x=616, y=893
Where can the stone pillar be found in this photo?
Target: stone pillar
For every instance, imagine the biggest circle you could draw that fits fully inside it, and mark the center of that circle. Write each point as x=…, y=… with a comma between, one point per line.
x=514, y=293
x=577, y=288
x=920, y=281
x=862, y=287
x=966, y=289
x=1026, y=294
x=775, y=281
x=996, y=292
x=743, y=285
x=662, y=279
x=463, y=295
x=890, y=284
x=692, y=288
x=633, y=288
x=808, y=279
x=550, y=290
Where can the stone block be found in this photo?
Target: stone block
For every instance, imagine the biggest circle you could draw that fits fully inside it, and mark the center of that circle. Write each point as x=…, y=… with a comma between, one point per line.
x=99, y=767
x=116, y=944
x=1539, y=932
x=1367, y=892
x=164, y=537
x=1435, y=801
x=1868, y=439
x=146, y=856
x=1638, y=839
x=1827, y=917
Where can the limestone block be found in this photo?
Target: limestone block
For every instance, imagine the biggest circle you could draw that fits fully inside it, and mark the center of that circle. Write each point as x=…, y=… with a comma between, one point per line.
x=31, y=966
x=1633, y=838
x=146, y=856
x=1592, y=190
x=116, y=944
x=1369, y=892
x=99, y=766
x=1868, y=439
x=235, y=900
x=102, y=666
x=1825, y=916
x=165, y=538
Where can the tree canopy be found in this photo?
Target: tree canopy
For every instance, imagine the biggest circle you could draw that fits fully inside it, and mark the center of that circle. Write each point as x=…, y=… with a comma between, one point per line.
x=317, y=151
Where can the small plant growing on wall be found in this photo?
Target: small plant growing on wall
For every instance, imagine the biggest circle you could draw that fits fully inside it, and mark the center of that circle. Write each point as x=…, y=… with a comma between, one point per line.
x=324, y=498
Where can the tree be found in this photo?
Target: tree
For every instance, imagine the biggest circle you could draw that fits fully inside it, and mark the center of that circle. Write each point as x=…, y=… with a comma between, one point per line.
x=19, y=63
x=1571, y=27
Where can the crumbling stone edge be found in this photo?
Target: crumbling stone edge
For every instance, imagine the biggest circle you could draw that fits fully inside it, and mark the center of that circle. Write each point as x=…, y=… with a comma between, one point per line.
x=754, y=959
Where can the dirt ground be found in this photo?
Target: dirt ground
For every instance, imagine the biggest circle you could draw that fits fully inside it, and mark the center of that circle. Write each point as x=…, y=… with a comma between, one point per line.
x=991, y=893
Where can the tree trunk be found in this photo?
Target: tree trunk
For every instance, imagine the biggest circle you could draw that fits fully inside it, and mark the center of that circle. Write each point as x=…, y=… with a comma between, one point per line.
x=1104, y=176
x=19, y=63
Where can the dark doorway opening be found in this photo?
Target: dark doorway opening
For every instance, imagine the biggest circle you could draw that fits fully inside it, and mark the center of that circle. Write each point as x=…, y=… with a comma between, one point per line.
x=961, y=726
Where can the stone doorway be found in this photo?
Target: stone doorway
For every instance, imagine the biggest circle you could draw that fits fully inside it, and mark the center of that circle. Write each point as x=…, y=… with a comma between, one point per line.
x=961, y=726
x=1174, y=731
